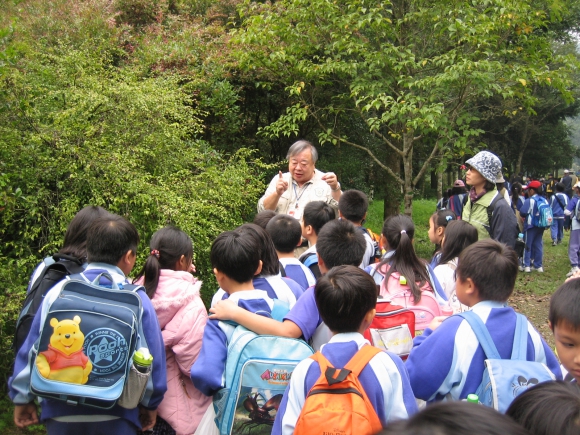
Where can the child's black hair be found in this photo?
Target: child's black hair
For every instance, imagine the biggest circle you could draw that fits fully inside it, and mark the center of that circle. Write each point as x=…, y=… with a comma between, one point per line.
x=285, y=232
x=236, y=254
x=266, y=249
x=458, y=236
x=353, y=205
x=399, y=231
x=517, y=190
x=109, y=238
x=548, y=408
x=316, y=214
x=75, y=238
x=565, y=305
x=559, y=187
x=455, y=418
x=167, y=245
x=262, y=218
x=441, y=218
x=340, y=243
x=344, y=296
x=493, y=268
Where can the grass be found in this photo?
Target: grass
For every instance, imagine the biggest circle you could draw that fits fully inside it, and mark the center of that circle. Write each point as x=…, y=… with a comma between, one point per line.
x=422, y=211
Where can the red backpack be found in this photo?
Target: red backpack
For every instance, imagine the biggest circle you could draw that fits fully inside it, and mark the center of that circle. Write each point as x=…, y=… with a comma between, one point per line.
x=392, y=329
x=337, y=403
x=397, y=290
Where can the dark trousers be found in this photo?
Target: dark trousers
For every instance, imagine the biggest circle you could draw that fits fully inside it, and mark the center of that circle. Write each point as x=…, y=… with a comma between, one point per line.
x=118, y=426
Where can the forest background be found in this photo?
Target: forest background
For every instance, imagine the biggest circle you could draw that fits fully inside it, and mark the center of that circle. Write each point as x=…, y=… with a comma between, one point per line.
x=180, y=111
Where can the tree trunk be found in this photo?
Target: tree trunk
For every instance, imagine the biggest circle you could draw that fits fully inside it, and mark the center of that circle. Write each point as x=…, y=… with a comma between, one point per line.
x=439, y=185
x=408, y=172
x=392, y=189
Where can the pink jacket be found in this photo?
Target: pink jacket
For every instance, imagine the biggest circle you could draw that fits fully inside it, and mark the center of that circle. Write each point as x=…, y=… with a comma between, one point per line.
x=182, y=317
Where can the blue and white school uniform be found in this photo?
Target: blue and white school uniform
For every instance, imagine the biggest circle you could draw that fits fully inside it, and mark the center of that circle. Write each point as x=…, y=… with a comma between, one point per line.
x=384, y=379
x=306, y=316
x=80, y=416
x=298, y=272
x=534, y=243
x=277, y=287
x=449, y=361
x=558, y=203
x=208, y=371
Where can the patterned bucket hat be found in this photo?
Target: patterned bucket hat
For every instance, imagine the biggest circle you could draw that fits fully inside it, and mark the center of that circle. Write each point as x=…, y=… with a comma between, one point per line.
x=487, y=164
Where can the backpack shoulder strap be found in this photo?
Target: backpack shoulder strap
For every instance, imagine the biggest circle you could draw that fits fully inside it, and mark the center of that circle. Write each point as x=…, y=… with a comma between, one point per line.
x=481, y=333
x=360, y=359
x=279, y=310
x=310, y=260
x=491, y=207
x=282, y=269
x=520, y=346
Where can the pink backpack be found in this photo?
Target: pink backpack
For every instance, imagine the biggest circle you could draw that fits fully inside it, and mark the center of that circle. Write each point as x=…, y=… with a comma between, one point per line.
x=398, y=292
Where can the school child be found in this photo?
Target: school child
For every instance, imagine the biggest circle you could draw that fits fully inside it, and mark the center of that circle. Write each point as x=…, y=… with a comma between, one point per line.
x=339, y=243
x=548, y=408
x=457, y=198
x=269, y=279
x=316, y=215
x=286, y=235
x=517, y=202
x=458, y=236
x=437, y=225
x=346, y=299
x=174, y=293
x=235, y=258
x=574, y=243
x=564, y=321
x=533, y=234
x=353, y=206
x=456, y=418
x=262, y=218
x=111, y=248
x=72, y=257
x=486, y=276
x=558, y=203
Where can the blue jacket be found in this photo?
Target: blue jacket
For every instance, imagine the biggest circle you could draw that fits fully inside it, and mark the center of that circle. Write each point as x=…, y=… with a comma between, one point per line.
x=529, y=209
x=19, y=382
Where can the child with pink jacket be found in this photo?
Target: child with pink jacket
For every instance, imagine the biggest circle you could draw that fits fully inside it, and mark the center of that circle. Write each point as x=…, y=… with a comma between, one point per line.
x=174, y=293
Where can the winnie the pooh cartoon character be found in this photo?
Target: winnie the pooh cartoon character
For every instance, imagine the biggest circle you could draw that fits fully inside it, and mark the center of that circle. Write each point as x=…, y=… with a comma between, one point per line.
x=64, y=359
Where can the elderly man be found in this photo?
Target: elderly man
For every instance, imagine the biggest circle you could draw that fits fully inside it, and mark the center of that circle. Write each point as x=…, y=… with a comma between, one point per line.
x=288, y=193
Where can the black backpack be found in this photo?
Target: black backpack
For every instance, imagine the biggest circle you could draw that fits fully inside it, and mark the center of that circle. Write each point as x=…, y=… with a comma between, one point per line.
x=63, y=266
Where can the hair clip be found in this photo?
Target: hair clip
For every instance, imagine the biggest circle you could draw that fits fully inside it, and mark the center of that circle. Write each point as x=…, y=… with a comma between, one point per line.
x=403, y=232
x=155, y=253
x=448, y=218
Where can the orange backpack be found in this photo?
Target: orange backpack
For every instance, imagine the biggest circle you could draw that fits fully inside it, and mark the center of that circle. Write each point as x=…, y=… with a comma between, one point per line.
x=337, y=402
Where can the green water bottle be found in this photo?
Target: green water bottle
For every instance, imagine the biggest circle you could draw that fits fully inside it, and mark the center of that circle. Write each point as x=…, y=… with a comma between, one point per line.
x=142, y=360
x=472, y=398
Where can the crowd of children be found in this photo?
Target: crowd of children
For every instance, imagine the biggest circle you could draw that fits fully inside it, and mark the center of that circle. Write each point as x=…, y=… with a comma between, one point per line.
x=328, y=299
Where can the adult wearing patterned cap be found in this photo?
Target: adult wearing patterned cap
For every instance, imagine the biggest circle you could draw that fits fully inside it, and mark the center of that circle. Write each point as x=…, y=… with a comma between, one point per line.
x=486, y=209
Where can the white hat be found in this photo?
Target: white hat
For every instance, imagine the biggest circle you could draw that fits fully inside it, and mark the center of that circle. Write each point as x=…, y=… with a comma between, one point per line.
x=487, y=164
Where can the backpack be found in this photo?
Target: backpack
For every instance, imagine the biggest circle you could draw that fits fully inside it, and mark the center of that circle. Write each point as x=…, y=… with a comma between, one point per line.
x=258, y=370
x=53, y=272
x=505, y=379
x=577, y=212
x=311, y=262
x=337, y=403
x=104, y=328
x=399, y=293
x=377, y=254
x=392, y=329
x=543, y=218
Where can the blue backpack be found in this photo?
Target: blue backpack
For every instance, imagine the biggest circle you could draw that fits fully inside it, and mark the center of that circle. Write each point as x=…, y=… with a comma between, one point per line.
x=86, y=344
x=258, y=370
x=505, y=379
x=544, y=217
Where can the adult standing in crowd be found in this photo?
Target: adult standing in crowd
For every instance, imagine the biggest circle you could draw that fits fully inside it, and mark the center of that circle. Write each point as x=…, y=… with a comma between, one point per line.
x=567, y=182
x=288, y=193
x=486, y=209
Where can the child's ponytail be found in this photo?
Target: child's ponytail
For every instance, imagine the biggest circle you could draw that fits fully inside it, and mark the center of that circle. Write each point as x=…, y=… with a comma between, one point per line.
x=399, y=231
x=166, y=248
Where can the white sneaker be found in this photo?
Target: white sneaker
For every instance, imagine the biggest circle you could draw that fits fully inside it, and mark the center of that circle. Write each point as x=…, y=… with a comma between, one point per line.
x=527, y=269
x=538, y=269
x=521, y=268
x=572, y=271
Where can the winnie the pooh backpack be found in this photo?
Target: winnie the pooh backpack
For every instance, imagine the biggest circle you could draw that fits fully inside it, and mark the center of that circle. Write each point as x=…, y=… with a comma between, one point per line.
x=86, y=344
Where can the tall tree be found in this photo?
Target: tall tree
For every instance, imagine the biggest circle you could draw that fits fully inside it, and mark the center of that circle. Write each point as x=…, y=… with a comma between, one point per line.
x=408, y=69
